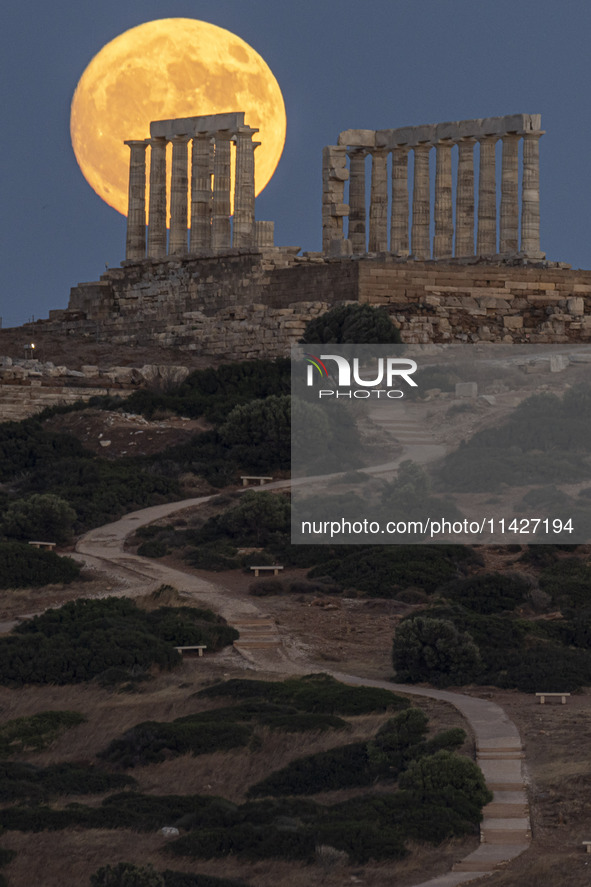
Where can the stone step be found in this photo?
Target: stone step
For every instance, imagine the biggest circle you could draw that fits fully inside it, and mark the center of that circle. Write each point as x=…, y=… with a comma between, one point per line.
x=505, y=811
x=256, y=645
x=508, y=836
x=500, y=755
x=504, y=786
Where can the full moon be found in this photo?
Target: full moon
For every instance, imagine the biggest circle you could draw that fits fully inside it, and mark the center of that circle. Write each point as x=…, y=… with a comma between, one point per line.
x=174, y=67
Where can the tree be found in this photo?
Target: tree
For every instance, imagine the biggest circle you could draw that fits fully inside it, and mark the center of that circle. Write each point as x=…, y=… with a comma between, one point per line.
x=258, y=433
x=42, y=516
x=357, y=324
x=427, y=649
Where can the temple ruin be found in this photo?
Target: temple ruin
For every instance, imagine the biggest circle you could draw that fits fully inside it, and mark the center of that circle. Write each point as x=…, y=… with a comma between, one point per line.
x=199, y=198
x=410, y=222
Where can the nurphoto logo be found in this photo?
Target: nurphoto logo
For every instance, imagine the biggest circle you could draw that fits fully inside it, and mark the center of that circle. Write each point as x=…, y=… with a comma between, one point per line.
x=386, y=371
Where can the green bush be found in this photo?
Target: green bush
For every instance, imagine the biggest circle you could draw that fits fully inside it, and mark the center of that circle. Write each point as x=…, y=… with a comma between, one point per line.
x=85, y=638
x=150, y=742
x=488, y=592
x=127, y=875
x=448, y=782
x=42, y=516
x=25, y=782
x=313, y=693
x=382, y=571
x=186, y=879
x=343, y=767
x=357, y=324
x=152, y=548
x=36, y=732
x=22, y=566
x=429, y=649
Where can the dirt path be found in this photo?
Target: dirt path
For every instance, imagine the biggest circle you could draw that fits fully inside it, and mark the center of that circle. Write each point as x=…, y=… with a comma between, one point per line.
x=505, y=831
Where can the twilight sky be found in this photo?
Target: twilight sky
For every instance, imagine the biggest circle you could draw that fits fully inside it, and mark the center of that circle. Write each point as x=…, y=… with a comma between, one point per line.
x=341, y=64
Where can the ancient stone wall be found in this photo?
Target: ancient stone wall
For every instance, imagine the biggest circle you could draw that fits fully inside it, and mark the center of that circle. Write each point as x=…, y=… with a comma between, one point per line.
x=252, y=304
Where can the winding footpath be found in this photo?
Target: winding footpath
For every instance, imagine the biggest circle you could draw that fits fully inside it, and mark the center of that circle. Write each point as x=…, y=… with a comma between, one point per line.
x=505, y=831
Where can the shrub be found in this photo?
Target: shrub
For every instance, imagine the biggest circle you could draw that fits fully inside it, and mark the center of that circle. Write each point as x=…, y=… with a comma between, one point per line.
x=383, y=571
x=428, y=649
x=313, y=693
x=22, y=566
x=356, y=324
x=85, y=638
x=150, y=742
x=445, y=780
x=152, y=548
x=36, y=732
x=127, y=875
x=488, y=592
x=42, y=516
x=25, y=782
x=342, y=767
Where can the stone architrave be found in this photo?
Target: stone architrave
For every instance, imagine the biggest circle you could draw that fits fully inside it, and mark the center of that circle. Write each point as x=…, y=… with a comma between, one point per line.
x=509, y=240
x=135, y=241
x=444, y=228
x=157, y=204
x=486, y=242
x=465, y=199
x=221, y=230
x=378, y=205
x=243, y=230
x=530, y=197
x=399, y=217
x=357, y=233
x=179, y=188
x=421, y=209
x=201, y=195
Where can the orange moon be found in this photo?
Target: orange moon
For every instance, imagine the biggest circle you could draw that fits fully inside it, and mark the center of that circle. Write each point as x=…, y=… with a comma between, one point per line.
x=174, y=67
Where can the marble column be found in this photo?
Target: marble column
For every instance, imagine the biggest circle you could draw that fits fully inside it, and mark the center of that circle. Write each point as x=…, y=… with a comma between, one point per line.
x=444, y=227
x=356, y=233
x=221, y=231
x=486, y=241
x=465, y=199
x=201, y=198
x=135, y=241
x=243, y=228
x=421, y=209
x=530, y=197
x=399, y=217
x=378, y=206
x=509, y=240
x=157, y=205
x=179, y=189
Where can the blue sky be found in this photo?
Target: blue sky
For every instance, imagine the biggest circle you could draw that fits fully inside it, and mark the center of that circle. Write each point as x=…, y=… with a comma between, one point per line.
x=340, y=64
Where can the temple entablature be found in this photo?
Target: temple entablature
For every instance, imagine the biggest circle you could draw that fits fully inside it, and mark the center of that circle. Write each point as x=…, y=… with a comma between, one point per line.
x=198, y=206
x=410, y=224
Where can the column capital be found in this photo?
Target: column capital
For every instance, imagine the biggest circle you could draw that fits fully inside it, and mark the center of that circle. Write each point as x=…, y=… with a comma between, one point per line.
x=246, y=130
x=133, y=143
x=531, y=134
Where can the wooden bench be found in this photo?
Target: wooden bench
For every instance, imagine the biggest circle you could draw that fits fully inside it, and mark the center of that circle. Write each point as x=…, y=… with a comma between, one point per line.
x=543, y=697
x=587, y=845
x=47, y=545
x=266, y=569
x=199, y=647
x=247, y=478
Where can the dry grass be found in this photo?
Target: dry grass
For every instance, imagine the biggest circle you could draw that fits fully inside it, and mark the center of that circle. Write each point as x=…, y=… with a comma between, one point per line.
x=75, y=855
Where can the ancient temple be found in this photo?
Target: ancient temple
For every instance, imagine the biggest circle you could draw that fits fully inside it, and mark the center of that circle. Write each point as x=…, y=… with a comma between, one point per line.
x=199, y=198
x=410, y=220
